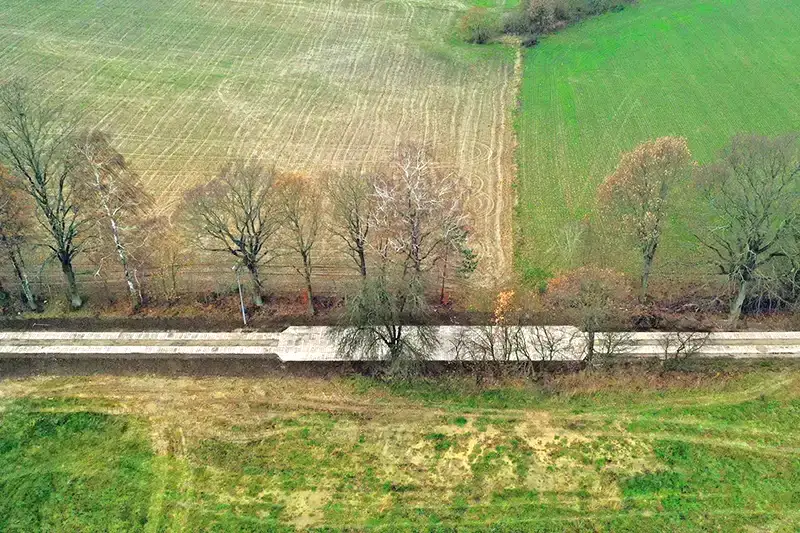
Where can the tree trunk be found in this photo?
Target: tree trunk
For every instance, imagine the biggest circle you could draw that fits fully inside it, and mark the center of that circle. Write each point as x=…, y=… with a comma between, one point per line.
x=258, y=287
x=139, y=290
x=416, y=245
x=123, y=259
x=307, y=269
x=646, y=267
x=362, y=261
x=444, y=279
x=75, y=299
x=736, y=305
x=590, y=335
x=19, y=269
x=395, y=336
x=312, y=309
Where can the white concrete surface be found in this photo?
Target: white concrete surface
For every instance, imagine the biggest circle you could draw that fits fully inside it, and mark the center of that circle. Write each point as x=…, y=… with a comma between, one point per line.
x=313, y=344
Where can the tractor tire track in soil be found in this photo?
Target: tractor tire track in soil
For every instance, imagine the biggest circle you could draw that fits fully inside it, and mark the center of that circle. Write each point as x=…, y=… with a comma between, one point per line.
x=307, y=85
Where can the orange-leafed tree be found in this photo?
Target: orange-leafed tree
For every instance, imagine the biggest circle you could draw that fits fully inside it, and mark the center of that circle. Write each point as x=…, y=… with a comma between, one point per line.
x=638, y=193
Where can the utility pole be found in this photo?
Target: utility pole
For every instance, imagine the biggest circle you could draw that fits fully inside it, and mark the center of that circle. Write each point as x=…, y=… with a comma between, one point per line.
x=241, y=297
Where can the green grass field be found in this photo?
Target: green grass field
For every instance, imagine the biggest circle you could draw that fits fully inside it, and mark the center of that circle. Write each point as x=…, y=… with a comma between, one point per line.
x=610, y=452
x=703, y=69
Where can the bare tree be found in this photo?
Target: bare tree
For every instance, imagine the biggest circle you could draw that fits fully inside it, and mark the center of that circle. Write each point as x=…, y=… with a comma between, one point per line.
x=608, y=344
x=789, y=280
x=299, y=205
x=418, y=208
x=106, y=182
x=14, y=223
x=599, y=299
x=754, y=191
x=497, y=345
x=167, y=260
x=551, y=343
x=506, y=343
x=35, y=144
x=678, y=346
x=418, y=211
x=353, y=205
x=235, y=214
x=638, y=193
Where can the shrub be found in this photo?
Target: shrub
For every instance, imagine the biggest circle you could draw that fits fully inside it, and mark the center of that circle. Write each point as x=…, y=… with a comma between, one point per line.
x=602, y=291
x=679, y=346
x=515, y=22
x=479, y=26
x=540, y=15
x=598, y=299
x=5, y=300
x=537, y=17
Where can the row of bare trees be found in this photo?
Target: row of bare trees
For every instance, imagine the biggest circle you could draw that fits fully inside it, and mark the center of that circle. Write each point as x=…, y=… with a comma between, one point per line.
x=752, y=228
x=402, y=224
x=398, y=223
x=256, y=215
x=71, y=183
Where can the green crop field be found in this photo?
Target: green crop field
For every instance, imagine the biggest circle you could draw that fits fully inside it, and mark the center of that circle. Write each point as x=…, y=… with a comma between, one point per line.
x=703, y=69
x=624, y=451
x=311, y=85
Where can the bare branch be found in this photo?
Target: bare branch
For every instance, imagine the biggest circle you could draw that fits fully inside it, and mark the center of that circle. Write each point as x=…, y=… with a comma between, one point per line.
x=299, y=205
x=754, y=190
x=106, y=184
x=35, y=144
x=235, y=214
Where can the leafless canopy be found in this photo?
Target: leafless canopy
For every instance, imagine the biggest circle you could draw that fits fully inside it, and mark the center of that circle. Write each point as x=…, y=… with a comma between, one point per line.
x=417, y=218
x=352, y=210
x=754, y=190
x=419, y=208
x=386, y=322
x=299, y=205
x=235, y=214
x=35, y=143
x=114, y=192
x=678, y=346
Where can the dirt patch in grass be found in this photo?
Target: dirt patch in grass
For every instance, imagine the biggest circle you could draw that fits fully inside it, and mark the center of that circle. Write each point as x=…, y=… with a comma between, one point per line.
x=290, y=452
